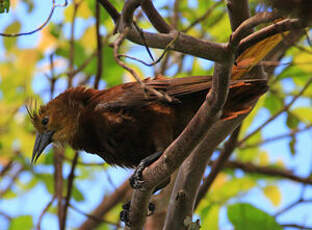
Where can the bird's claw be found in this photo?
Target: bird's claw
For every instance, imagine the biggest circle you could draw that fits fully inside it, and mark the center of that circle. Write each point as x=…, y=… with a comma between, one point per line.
x=136, y=180
x=151, y=209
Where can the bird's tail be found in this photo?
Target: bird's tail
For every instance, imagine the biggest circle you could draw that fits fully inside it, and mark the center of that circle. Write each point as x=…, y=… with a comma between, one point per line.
x=241, y=98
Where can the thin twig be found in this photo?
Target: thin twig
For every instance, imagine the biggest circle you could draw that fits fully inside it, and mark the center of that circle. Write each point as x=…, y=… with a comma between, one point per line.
x=286, y=107
x=203, y=17
x=271, y=139
x=14, y=177
x=72, y=45
x=44, y=211
x=160, y=58
x=99, y=46
x=301, y=227
x=93, y=217
x=267, y=170
x=70, y=182
x=116, y=45
x=54, y=5
x=292, y=205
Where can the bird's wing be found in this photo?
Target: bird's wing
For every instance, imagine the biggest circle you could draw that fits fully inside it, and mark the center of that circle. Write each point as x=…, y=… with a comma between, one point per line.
x=132, y=94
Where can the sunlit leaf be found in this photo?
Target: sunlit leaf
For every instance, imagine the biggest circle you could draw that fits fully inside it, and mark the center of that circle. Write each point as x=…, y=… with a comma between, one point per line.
x=88, y=39
x=244, y=216
x=264, y=158
x=273, y=193
x=230, y=189
x=304, y=114
x=82, y=12
x=210, y=219
x=21, y=222
x=14, y=27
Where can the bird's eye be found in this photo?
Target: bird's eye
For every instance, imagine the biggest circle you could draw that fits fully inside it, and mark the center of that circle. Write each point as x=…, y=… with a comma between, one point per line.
x=45, y=121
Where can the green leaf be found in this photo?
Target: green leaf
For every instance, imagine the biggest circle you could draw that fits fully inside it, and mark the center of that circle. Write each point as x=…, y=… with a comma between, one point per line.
x=292, y=121
x=230, y=189
x=21, y=222
x=9, y=42
x=292, y=145
x=4, y=6
x=245, y=217
x=272, y=103
x=77, y=195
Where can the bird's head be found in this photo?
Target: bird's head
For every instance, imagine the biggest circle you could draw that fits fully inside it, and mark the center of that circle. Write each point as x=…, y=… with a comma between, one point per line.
x=55, y=122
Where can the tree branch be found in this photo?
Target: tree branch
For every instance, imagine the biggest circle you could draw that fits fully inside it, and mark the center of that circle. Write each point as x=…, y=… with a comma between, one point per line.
x=267, y=170
x=70, y=182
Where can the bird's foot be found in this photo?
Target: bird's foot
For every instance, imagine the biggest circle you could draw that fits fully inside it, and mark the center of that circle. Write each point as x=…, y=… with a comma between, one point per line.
x=124, y=214
x=151, y=209
x=136, y=180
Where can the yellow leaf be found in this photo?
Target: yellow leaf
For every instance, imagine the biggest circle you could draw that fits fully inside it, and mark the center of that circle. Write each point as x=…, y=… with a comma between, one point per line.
x=304, y=60
x=280, y=163
x=304, y=114
x=264, y=158
x=273, y=193
x=219, y=181
x=88, y=39
x=83, y=11
x=46, y=40
x=211, y=220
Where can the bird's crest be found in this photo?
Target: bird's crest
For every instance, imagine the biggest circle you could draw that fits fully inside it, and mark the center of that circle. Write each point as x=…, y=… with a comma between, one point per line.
x=34, y=110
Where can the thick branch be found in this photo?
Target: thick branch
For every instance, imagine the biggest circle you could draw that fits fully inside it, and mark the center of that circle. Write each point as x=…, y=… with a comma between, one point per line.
x=191, y=173
x=180, y=148
x=279, y=27
x=245, y=28
x=238, y=12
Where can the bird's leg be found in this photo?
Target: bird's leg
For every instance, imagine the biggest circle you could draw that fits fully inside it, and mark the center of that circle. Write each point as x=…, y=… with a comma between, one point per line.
x=136, y=180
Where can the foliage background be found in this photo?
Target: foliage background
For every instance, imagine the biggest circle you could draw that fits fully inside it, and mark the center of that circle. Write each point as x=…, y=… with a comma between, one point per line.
x=70, y=41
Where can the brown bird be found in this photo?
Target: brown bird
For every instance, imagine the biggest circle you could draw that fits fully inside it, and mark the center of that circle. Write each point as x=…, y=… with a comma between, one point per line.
x=125, y=124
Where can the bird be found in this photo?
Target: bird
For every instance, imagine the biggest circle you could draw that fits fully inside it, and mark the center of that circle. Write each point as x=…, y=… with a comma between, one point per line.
x=130, y=126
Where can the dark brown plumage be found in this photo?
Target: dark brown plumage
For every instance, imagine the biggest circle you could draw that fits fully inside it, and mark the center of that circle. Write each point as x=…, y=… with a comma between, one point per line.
x=123, y=124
